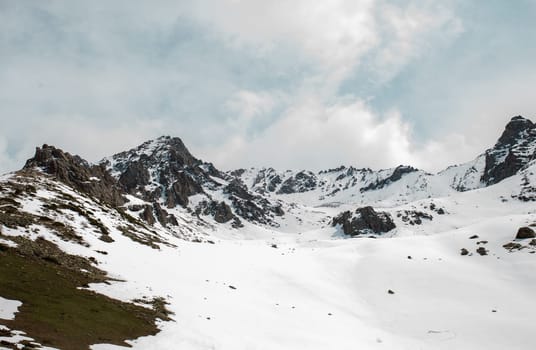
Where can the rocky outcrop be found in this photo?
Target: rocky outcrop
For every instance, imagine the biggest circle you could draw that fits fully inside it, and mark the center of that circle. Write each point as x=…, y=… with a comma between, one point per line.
x=160, y=168
x=220, y=211
x=163, y=217
x=183, y=187
x=364, y=221
x=301, y=182
x=134, y=175
x=253, y=208
x=147, y=215
x=266, y=180
x=397, y=174
x=75, y=172
x=163, y=172
x=413, y=217
x=515, y=148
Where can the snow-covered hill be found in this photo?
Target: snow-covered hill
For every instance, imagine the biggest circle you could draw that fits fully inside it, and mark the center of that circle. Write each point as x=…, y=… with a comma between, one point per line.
x=250, y=259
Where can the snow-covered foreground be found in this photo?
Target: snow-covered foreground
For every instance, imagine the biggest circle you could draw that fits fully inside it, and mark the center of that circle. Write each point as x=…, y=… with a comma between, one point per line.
x=311, y=288
x=333, y=293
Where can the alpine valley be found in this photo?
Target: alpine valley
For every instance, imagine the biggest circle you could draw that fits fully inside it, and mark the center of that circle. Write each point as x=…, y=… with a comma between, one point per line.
x=153, y=248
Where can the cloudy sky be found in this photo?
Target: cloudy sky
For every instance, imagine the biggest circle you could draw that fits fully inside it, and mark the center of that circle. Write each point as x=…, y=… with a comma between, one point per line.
x=289, y=84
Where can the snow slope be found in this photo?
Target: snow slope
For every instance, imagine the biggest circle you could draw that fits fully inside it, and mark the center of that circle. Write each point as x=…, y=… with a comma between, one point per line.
x=290, y=280
x=262, y=288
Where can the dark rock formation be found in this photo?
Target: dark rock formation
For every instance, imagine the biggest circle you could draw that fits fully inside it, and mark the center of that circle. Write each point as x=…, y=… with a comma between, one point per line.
x=161, y=168
x=238, y=189
x=134, y=175
x=364, y=221
x=184, y=187
x=266, y=180
x=413, y=217
x=514, y=149
x=147, y=215
x=301, y=182
x=525, y=232
x=77, y=173
x=221, y=212
x=252, y=207
x=397, y=174
x=163, y=217
x=514, y=130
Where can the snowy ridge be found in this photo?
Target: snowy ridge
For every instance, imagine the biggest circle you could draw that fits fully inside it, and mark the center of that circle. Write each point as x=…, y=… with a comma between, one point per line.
x=514, y=150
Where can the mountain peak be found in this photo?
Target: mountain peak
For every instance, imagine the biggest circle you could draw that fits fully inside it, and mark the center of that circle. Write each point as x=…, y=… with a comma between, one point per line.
x=514, y=149
x=76, y=172
x=168, y=144
x=165, y=149
x=514, y=130
x=47, y=156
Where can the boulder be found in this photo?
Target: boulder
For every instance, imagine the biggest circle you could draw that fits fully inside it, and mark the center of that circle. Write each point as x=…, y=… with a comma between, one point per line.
x=364, y=221
x=525, y=232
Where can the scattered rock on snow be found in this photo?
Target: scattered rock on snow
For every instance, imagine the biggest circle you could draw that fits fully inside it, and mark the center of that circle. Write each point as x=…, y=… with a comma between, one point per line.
x=482, y=251
x=513, y=245
x=525, y=232
x=413, y=217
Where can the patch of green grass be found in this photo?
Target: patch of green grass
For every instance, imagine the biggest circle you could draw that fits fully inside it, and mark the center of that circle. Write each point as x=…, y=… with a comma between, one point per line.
x=56, y=313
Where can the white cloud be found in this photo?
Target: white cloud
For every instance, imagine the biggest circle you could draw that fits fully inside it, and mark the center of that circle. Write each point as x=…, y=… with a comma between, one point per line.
x=311, y=134
x=334, y=35
x=96, y=79
x=409, y=31
x=245, y=105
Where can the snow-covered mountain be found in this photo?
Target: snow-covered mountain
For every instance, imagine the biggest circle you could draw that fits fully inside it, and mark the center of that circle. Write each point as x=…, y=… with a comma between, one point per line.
x=514, y=150
x=158, y=242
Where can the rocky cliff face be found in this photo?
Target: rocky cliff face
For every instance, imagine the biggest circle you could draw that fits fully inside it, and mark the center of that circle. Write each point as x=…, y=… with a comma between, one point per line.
x=163, y=171
x=160, y=169
x=77, y=173
x=515, y=148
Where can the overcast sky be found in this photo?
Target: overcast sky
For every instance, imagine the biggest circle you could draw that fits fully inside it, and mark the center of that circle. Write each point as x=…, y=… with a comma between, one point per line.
x=290, y=84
